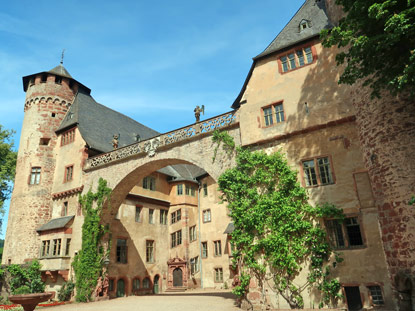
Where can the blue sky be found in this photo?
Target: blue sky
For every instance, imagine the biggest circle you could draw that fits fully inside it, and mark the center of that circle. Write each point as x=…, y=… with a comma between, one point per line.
x=151, y=60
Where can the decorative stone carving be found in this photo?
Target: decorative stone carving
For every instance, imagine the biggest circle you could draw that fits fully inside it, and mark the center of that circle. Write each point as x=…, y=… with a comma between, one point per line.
x=150, y=146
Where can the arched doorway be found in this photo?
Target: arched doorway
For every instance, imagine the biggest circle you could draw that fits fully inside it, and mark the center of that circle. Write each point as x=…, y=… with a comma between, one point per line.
x=120, y=288
x=177, y=277
x=156, y=285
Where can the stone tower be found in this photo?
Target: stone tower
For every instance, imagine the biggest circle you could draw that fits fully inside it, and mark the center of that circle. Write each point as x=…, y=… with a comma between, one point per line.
x=48, y=97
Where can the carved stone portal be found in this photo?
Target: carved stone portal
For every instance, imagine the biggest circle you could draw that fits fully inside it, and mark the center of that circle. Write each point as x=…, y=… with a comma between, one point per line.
x=177, y=276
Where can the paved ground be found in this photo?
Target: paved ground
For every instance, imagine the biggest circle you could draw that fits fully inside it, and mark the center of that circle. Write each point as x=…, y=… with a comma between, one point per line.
x=207, y=300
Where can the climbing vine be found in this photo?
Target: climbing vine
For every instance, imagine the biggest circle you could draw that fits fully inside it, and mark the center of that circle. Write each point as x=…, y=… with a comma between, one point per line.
x=26, y=279
x=277, y=232
x=88, y=263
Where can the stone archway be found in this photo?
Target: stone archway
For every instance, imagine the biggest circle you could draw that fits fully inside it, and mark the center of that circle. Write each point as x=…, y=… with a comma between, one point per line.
x=406, y=291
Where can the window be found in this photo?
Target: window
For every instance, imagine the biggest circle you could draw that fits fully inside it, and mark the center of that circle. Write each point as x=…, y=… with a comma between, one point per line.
x=176, y=216
x=205, y=190
x=204, y=250
x=176, y=238
x=137, y=213
x=64, y=211
x=136, y=284
x=58, y=80
x=149, y=182
x=194, y=265
x=192, y=191
x=218, y=275
x=56, y=247
x=376, y=296
x=34, y=176
x=121, y=251
x=192, y=234
x=206, y=215
x=151, y=216
x=304, y=24
x=296, y=59
x=68, y=173
x=274, y=113
x=45, y=248
x=346, y=234
x=354, y=301
x=218, y=248
x=187, y=188
x=44, y=141
x=43, y=78
x=179, y=189
x=149, y=251
x=318, y=172
x=111, y=285
x=68, y=247
x=68, y=137
x=163, y=217
x=146, y=283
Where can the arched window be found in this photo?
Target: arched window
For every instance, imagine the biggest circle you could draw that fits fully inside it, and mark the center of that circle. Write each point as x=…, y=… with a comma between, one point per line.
x=146, y=283
x=136, y=284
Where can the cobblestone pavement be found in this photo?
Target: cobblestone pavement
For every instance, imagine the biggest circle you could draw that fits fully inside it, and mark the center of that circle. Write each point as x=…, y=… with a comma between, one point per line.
x=192, y=300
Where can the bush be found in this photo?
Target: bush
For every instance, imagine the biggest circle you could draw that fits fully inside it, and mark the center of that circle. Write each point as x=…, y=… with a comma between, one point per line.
x=65, y=293
x=22, y=290
x=26, y=277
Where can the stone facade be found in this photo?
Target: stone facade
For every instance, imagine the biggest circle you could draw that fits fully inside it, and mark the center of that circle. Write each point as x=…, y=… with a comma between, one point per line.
x=302, y=112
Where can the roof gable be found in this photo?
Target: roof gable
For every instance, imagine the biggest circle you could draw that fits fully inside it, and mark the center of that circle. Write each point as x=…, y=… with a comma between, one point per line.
x=314, y=13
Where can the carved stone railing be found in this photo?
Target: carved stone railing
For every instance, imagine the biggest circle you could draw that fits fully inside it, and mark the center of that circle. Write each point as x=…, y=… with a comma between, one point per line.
x=150, y=146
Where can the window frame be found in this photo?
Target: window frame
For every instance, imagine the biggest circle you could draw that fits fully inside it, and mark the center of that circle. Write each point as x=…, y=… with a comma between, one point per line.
x=179, y=189
x=205, y=250
x=273, y=116
x=176, y=238
x=370, y=295
x=317, y=171
x=164, y=216
x=45, y=250
x=138, y=210
x=149, y=183
x=205, y=189
x=151, y=213
x=176, y=216
x=192, y=233
x=150, y=251
x=194, y=265
x=345, y=233
x=37, y=175
x=217, y=246
x=283, y=58
x=68, y=169
x=220, y=270
x=56, y=247
x=68, y=137
x=68, y=246
x=120, y=249
x=207, y=212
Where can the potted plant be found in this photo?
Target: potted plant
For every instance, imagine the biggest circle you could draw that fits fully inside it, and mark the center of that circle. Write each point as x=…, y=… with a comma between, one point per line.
x=26, y=285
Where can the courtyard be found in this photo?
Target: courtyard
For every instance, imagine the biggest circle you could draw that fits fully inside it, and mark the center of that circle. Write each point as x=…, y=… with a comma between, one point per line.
x=200, y=300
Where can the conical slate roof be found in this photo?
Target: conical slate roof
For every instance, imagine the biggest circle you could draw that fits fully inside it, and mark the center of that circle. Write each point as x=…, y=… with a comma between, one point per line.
x=314, y=13
x=98, y=124
x=60, y=71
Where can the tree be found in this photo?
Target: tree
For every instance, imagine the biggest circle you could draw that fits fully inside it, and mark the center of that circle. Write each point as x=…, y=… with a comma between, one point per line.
x=7, y=166
x=379, y=41
x=277, y=232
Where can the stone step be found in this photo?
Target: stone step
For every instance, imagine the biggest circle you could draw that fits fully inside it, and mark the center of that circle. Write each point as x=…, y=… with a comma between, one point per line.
x=175, y=290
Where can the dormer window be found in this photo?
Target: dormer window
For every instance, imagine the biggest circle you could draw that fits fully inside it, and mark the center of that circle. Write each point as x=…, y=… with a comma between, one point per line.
x=304, y=24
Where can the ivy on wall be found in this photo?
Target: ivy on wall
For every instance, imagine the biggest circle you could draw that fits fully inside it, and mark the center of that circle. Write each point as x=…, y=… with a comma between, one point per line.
x=88, y=263
x=277, y=232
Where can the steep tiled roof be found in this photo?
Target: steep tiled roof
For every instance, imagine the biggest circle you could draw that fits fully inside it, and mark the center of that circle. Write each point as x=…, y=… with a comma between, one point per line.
x=314, y=13
x=98, y=124
x=56, y=223
x=61, y=71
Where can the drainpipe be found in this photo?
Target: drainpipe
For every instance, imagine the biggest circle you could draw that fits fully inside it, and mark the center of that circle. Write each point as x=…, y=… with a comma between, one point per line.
x=200, y=237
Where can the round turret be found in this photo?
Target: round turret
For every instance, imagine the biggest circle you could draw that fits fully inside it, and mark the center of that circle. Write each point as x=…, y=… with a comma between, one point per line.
x=48, y=97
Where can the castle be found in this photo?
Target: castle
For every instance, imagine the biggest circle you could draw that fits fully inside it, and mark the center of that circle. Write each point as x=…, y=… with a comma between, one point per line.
x=169, y=229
